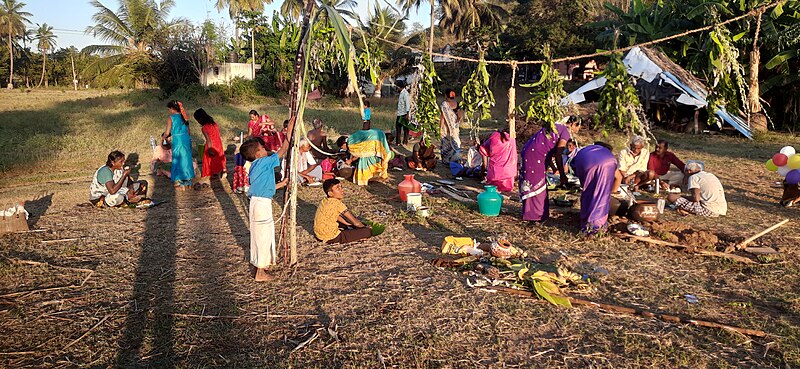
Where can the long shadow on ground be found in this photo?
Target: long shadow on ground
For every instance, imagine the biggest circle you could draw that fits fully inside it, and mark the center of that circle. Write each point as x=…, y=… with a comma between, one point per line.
x=148, y=337
x=234, y=219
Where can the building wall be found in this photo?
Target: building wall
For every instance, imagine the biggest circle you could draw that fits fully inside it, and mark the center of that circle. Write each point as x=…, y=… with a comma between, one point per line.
x=225, y=72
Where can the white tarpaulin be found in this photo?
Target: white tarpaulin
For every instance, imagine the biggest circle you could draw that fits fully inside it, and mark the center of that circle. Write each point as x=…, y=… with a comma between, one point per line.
x=641, y=66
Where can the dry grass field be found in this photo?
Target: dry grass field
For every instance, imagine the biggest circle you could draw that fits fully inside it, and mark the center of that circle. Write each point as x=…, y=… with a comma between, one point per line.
x=170, y=287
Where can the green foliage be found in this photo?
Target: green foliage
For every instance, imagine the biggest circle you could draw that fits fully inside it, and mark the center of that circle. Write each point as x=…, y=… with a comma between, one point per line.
x=545, y=102
x=427, y=115
x=619, y=102
x=477, y=99
x=563, y=24
x=727, y=87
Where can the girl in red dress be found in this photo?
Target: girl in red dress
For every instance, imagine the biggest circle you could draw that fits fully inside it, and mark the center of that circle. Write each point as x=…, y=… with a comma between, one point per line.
x=214, y=154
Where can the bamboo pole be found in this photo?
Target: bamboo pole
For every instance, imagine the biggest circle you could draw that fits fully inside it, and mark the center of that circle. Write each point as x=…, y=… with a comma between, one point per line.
x=512, y=102
x=670, y=318
x=744, y=243
x=683, y=247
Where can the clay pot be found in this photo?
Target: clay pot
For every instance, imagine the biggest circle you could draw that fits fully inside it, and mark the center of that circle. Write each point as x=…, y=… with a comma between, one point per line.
x=502, y=249
x=643, y=212
x=407, y=186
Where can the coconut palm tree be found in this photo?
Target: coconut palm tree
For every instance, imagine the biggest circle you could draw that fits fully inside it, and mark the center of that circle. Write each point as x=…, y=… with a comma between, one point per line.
x=131, y=33
x=46, y=42
x=235, y=10
x=460, y=17
x=12, y=24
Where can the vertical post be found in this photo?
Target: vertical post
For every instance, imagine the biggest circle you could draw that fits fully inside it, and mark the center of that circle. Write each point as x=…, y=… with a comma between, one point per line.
x=253, y=53
x=74, y=77
x=512, y=102
x=430, y=39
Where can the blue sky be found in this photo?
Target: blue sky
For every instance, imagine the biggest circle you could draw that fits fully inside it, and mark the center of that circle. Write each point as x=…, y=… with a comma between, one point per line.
x=69, y=18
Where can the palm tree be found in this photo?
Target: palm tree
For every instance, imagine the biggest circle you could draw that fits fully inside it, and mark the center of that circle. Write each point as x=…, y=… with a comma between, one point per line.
x=132, y=32
x=408, y=4
x=235, y=10
x=460, y=17
x=12, y=24
x=385, y=23
x=47, y=41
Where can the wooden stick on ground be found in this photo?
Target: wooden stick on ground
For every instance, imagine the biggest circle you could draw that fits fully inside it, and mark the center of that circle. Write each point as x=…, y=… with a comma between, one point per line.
x=639, y=312
x=654, y=241
x=288, y=316
x=47, y=242
x=85, y=333
x=744, y=243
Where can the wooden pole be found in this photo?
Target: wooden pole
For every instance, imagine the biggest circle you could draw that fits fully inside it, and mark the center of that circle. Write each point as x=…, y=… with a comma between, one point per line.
x=512, y=103
x=744, y=243
x=74, y=76
x=253, y=53
x=670, y=318
x=682, y=247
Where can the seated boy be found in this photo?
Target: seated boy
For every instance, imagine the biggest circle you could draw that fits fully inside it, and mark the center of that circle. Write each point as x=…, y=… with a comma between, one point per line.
x=333, y=223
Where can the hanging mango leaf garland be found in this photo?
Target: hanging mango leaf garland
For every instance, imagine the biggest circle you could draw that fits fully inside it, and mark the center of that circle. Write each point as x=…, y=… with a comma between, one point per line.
x=477, y=99
x=427, y=115
x=545, y=102
x=728, y=87
x=619, y=105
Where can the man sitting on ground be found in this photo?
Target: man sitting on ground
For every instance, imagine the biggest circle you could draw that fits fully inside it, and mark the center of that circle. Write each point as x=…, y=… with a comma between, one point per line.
x=333, y=223
x=632, y=164
x=658, y=167
x=707, y=195
x=308, y=168
x=423, y=157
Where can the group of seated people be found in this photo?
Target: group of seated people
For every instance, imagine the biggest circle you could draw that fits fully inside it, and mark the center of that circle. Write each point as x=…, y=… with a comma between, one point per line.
x=638, y=167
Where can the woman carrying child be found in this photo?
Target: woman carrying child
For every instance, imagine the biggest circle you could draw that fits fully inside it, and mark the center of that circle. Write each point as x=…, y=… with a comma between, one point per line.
x=182, y=170
x=214, y=154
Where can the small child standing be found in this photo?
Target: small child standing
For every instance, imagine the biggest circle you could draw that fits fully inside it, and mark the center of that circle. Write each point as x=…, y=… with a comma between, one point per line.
x=367, y=116
x=333, y=223
x=262, y=189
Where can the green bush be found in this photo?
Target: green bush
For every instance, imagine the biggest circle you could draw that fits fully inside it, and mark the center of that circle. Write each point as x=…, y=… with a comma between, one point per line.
x=189, y=93
x=241, y=89
x=265, y=86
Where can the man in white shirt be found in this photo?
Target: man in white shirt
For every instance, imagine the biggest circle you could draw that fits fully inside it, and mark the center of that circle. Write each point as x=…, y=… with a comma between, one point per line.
x=308, y=168
x=632, y=164
x=403, y=109
x=707, y=195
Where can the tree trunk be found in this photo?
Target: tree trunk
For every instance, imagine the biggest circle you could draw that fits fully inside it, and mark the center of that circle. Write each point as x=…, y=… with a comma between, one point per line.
x=11, y=52
x=758, y=121
x=377, y=93
x=430, y=39
x=74, y=76
x=44, y=66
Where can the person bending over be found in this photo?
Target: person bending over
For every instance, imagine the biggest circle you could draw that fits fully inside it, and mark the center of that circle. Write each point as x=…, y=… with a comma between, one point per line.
x=333, y=223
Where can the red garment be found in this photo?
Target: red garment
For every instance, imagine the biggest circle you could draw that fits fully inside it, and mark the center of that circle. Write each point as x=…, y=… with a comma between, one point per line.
x=660, y=165
x=214, y=155
x=272, y=141
x=239, y=178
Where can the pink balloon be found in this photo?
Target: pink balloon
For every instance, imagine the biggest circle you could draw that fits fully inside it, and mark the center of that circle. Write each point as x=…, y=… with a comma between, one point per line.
x=793, y=177
x=780, y=159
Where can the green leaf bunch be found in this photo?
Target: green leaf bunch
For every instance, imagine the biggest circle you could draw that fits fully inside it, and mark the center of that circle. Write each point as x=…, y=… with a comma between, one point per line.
x=619, y=102
x=544, y=104
x=477, y=99
x=727, y=85
x=427, y=111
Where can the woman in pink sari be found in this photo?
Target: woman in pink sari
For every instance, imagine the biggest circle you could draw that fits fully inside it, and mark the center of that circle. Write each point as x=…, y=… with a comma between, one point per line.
x=500, y=159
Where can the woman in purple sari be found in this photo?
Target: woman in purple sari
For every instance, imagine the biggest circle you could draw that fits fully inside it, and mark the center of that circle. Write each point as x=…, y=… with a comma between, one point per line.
x=595, y=166
x=541, y=148
x=499, y=153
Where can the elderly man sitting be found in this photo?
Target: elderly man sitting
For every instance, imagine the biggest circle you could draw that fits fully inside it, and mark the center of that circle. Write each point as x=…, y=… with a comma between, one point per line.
x=113, y=186
x=632, y=164
x=707, y=195
x=658, y=167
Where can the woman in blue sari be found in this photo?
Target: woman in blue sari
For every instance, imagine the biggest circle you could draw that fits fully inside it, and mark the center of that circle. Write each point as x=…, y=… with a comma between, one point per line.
x=178, y=127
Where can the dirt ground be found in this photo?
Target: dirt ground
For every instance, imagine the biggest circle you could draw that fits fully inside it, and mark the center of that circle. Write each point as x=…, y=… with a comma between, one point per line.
x=170, y=286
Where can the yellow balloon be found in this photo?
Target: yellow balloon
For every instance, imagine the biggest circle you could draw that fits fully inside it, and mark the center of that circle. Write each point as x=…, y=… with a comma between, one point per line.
x=794, y=161
x=771, y=166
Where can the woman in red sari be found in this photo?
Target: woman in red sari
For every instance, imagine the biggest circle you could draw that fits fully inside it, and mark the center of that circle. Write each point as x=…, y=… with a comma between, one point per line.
x=214, y=154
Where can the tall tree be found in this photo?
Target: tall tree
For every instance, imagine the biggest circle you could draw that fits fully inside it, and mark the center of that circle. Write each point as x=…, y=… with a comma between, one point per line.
x=132, y=32
x=235, y=10
x=12, y=25
x=46, y=41
x=465, y=17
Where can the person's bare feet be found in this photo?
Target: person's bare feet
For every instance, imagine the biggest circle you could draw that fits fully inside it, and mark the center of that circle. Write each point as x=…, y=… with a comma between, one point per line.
x=263, y=276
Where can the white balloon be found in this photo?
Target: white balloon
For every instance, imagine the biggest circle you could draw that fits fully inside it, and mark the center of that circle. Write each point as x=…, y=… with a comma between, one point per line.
x=788, y=151
x=783, y=170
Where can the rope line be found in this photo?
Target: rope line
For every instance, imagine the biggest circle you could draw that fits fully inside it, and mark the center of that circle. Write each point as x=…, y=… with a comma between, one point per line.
x=756, y=11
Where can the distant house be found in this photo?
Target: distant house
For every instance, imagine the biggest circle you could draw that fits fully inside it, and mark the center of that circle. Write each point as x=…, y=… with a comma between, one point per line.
x=447, y=50
x=225, y=72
